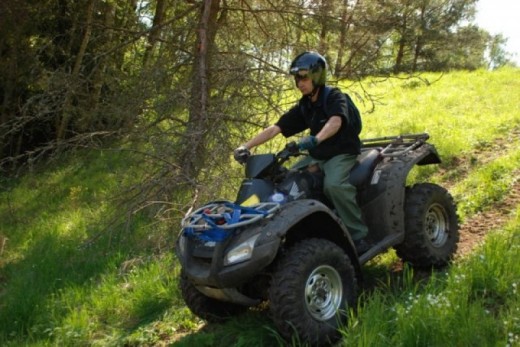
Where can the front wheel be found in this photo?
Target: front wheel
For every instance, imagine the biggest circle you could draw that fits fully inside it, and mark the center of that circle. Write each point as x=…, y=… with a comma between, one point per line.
x=209, y=309
x=312, y=287
x=431, y=226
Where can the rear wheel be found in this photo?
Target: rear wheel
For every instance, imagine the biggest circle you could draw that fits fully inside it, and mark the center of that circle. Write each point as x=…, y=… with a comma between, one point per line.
x=313, y=286
x=207, y=308
x=431, y=226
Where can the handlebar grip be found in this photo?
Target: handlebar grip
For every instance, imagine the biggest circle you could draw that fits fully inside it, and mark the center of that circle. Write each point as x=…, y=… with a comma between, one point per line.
x=292, y=147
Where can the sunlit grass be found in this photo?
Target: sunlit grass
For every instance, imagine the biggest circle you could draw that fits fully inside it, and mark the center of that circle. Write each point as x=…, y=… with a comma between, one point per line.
x=459, y=110
x=487, y=184
x=118, y=302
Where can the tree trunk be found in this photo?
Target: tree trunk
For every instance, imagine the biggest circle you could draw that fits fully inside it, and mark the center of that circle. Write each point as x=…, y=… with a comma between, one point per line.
x=402, y=44
x=419, y=39
x=90, y=119
x=400, y=55
x=195, y=136
x=342, y=38
x=155, y=31
x=323, y=44
x=417, y=53
x=67, y=104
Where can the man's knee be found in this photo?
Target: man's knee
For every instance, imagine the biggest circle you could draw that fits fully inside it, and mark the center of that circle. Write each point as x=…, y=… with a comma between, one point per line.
x=329, y=187
x=336, y=188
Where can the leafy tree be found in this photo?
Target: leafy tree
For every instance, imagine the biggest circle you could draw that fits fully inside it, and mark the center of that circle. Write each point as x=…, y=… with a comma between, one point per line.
x=422, y=28
x=70, y=71
x=464, y=49
x=498, y=57
x=186, y=81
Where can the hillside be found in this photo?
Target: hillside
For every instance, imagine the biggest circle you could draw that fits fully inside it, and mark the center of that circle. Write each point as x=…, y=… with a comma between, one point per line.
x=71, y=273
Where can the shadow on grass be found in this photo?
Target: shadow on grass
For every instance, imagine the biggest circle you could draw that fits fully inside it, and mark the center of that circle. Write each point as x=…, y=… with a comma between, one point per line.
x=256, y=329
x=253, y=328
x=38, y=290
x=50, y=265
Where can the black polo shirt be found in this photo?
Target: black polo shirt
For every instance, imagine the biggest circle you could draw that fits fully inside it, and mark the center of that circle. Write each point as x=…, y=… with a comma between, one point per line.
x=311, y=115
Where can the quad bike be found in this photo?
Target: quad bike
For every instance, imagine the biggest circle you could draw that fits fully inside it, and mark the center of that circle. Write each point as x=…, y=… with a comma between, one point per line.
x=281, y=242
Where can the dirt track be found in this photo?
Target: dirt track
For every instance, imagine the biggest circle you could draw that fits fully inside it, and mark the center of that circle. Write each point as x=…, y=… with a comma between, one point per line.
x=475, y=228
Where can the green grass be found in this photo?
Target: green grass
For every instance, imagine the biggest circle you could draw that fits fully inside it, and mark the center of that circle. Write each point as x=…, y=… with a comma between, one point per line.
x=475, y=303
x=488, y=184
x=69, y=276
x=459, y=110
x=60, y=273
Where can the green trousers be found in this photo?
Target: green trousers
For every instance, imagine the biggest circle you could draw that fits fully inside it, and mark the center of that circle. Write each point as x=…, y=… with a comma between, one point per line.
x=340, y=192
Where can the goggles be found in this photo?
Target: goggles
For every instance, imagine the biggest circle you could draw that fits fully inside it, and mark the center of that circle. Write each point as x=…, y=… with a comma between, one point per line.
x=301, y=75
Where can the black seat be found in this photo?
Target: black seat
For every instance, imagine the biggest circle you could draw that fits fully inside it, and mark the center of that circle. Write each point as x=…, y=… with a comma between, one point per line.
x=366, y=162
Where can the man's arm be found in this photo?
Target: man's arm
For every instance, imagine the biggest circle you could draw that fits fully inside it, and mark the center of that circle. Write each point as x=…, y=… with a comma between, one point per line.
x=242, y=152
x=329, y=129
x=264, y=136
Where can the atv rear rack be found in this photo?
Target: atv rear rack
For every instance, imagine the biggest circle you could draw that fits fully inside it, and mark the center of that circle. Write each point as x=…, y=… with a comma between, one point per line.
x=395, y=146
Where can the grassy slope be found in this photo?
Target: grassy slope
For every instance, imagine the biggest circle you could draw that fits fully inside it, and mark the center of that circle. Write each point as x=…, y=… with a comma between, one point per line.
x=57, y=289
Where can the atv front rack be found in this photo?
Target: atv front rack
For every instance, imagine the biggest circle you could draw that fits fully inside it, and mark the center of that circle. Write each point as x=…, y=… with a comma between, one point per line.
x=214, y=220
x=395, y=146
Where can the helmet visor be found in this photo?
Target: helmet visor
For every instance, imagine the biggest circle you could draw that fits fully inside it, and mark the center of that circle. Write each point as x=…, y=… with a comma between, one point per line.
x=313, y=64
x=300, y=74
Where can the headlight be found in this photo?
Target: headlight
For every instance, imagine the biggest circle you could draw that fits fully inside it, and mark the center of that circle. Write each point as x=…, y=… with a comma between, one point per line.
x=242, y=252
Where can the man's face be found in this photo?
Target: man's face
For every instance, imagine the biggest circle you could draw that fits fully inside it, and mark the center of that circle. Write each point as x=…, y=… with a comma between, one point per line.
x=303, y=82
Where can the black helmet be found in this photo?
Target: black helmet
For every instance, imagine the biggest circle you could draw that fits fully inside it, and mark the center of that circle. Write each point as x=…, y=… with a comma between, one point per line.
x=312, y=62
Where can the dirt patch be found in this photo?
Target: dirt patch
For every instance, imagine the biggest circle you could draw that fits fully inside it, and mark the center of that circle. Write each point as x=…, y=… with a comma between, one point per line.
x=473, y=231
x=457, y=168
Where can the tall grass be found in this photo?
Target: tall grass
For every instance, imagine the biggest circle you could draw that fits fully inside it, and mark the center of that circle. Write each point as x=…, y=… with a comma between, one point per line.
x=474, y=303
x=489, y=183
x=65, y=279
x=61, y=277
x=460, y=110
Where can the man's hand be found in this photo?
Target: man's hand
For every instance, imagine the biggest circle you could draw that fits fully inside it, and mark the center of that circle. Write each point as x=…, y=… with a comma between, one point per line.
x=241, y=154
x=308, y=142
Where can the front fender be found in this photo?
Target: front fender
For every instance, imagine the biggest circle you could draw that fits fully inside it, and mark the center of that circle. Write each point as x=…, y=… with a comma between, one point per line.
x=296, y=220
x=302, y=219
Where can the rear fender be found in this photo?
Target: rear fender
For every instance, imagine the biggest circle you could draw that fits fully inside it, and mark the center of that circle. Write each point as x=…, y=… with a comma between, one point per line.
x=384, y=210
x=302, y=219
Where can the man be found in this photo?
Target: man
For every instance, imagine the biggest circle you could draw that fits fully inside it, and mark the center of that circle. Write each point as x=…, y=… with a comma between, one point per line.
x=333, y=143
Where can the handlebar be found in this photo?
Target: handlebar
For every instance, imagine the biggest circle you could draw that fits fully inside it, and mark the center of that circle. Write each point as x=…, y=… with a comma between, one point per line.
x=290, y=150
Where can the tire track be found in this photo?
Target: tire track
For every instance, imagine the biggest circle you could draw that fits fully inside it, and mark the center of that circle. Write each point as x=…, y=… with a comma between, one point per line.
x=473, y=230
x=460, y=167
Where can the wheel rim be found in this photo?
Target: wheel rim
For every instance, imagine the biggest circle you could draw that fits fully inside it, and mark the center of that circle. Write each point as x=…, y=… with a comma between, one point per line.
x=436, y=225
x=323, y=292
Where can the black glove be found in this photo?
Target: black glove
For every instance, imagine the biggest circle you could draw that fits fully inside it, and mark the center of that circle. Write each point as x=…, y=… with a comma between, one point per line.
x=308, y=142
x=292, y=147
x=241, y=154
